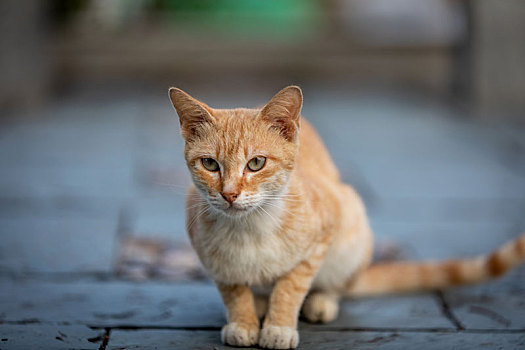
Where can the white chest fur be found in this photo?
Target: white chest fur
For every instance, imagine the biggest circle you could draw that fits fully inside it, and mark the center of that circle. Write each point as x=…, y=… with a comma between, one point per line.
x=245, y=251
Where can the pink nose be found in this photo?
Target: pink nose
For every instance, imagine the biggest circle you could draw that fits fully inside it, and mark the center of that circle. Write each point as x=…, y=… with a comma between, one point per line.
x=230, y=196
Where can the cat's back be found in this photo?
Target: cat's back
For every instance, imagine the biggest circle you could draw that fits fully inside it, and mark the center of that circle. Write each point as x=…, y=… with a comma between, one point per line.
x=313, y=159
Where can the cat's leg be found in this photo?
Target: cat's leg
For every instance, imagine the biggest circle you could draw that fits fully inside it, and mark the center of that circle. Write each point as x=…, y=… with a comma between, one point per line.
x=243, y=325
x=280, y=325
x=321, y=306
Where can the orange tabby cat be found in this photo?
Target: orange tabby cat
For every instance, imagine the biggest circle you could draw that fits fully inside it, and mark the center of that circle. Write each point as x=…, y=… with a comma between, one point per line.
x=268, y=208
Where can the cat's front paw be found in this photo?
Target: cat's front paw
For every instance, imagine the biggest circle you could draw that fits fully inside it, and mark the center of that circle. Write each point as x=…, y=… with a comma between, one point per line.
x=276, y=337
x=240, y=334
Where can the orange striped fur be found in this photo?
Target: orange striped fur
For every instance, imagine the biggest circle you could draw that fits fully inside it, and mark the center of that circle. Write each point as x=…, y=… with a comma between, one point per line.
x=291, y=225
x=406, y=277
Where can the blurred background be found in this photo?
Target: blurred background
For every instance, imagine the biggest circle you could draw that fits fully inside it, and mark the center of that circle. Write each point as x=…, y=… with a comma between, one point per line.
x=468, y=52
x=421, y=104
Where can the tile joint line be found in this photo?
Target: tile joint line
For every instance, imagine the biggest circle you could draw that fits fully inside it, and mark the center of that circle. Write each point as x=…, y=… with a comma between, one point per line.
x=447, y=311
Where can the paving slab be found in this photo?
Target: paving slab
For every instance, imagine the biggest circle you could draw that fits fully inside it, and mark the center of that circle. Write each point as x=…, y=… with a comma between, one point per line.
x=60, y=207
x=408, y=149
x=108, y=304
x=161, y=176
x=407, y=340
x=158, y=142
x=438, y=186
x=72, y=132
x=45, y=337
x=445, y=240
x=74, y=181
x=111, y=303
x=71, y=149
x=497, y=304
x=51, y=245
x=503, y=143
x=448, y=210
x=446, y=179
x=413, y=311
x=165, y=339
x=177, y=339
x=493, y=305
x=161, y=216
x=141, y=258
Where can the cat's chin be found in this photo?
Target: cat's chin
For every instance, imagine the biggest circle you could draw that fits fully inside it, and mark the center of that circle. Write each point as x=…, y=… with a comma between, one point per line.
x=236, y=212
x=232, y=211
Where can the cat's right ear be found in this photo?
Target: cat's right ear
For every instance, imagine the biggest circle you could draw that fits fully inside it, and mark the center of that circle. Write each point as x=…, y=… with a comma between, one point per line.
x=192, y=113
x=283, y=112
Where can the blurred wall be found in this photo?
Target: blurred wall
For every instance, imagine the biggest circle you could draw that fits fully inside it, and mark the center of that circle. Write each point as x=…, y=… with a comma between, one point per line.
x=499, y=54
x=25, y=66
x=469, y=52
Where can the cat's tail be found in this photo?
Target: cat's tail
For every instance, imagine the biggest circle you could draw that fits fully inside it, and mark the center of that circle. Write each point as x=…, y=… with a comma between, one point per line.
x=403, y=277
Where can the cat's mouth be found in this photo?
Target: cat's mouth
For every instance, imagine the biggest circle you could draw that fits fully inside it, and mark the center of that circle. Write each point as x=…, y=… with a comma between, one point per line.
x=235, y=209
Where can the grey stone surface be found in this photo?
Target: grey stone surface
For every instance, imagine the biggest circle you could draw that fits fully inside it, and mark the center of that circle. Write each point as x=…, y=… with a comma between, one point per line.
x=73, y=149
x=112, y=303
x=165, y=339
x=407, y=149
x=394, y=340
x=448, y=210
x=420, y=178
x=158, y=143
x=445, y=240
x=414, y=311
x=162, y=216
x=59, y=244
x=183, y=305
x=493, y=305
x=60, y=207
x=482, y=311
x=437, y=186
x=160, y=173
x=45, y=337
x=176, y=339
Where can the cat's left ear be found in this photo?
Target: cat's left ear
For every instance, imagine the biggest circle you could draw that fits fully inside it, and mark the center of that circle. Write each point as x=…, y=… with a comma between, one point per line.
x=284, y=112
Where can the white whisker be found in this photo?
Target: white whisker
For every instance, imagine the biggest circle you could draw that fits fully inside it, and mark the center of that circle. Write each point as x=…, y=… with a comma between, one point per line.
x=206, y=209
x=271, y=216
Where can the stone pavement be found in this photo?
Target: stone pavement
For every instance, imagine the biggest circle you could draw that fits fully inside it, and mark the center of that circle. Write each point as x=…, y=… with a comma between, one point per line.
x=82, y=176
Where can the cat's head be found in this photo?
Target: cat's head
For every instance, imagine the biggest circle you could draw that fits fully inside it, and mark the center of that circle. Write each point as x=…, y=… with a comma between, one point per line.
x=240, y=159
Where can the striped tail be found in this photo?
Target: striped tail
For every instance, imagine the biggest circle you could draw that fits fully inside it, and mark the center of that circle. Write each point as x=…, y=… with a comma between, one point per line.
x=404, y=277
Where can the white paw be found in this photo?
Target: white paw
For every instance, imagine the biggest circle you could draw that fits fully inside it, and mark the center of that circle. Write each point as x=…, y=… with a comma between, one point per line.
x=239, y=334
x=320, y=308
x=275, y=337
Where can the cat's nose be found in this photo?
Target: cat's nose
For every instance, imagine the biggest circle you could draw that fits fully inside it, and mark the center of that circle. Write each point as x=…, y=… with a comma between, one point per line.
x=230, y=196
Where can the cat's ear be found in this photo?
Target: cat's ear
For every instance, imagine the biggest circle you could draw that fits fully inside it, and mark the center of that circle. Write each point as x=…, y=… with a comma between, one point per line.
x=192, y=113
x=284, y=111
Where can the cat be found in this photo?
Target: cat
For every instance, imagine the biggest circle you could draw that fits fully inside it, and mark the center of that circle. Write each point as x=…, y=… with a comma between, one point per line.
x=267, y=208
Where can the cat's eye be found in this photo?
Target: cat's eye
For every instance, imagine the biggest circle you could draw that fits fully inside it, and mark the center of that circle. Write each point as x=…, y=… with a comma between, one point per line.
x=256, y=164
x=210, y=164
